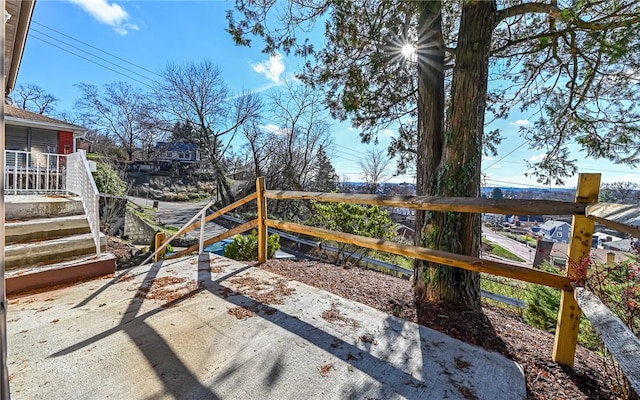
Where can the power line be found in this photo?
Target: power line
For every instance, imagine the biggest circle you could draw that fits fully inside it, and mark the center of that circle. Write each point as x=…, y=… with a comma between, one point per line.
x=91, y=61
x=517, y=183
x=91, y=54
x=96, y=48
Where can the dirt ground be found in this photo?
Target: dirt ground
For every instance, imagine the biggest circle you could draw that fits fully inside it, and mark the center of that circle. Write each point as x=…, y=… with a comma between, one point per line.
x=493, y=329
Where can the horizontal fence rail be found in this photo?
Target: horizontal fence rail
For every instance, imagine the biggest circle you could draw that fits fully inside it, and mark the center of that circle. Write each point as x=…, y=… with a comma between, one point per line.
x=621, y=217
x=617, y=337
x=191, y=225
x=454, y=204
x=440, y=257
x=224, y=235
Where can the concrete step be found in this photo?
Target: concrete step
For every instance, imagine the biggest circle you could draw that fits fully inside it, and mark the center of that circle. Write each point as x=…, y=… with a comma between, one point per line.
x=26, y=207
x=43, y=229
x=50, y=251
x=25, y=279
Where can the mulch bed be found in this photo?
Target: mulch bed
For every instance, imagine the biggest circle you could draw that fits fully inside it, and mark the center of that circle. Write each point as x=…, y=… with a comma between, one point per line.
x=493, y=329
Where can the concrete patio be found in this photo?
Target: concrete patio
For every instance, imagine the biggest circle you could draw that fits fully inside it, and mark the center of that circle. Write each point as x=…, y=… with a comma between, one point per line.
x=210, y=328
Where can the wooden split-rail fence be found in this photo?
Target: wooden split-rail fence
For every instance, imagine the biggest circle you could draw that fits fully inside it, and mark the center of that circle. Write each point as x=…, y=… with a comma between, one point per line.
x=585, y=210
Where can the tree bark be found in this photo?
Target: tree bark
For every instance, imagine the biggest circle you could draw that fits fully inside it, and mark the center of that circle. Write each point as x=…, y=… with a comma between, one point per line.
x=458, y=170
x=430, y=52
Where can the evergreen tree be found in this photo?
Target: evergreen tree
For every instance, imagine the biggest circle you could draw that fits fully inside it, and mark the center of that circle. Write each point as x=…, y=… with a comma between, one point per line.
x=325, y=177
x=574, y=63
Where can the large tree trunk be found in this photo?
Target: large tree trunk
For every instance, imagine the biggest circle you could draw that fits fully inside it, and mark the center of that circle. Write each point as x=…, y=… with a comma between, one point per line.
x=430, y=51
x=458, y=171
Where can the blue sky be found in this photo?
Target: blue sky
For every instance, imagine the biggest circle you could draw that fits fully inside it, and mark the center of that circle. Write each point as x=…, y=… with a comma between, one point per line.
x=148, y=34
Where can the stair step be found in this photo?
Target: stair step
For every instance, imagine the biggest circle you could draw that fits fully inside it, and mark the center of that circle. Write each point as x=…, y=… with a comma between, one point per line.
x=26, y=207
x=24, y=279
x=48, y=228
x=50, y=251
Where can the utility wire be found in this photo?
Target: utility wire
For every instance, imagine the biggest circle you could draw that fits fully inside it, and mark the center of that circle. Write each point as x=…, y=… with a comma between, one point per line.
x=91, y=61
x=96, y=48
x=91, y=54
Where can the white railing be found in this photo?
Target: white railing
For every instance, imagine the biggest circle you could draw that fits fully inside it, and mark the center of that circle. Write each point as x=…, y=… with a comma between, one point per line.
x=27, y=172
x=80, y=181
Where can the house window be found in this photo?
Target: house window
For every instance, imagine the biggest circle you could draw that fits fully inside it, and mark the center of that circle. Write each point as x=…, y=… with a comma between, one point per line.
x=559, y=234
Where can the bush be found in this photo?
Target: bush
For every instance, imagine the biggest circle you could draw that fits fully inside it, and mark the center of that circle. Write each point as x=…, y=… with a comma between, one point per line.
x=108, y=181
x=543, y=304
x=367, y=221
x=245, y=248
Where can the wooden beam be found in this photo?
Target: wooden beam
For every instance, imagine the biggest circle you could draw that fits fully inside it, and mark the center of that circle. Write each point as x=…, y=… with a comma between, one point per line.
x=454, y=204
x=621, y=217
x=440, y=257
x=566, y=338
x=159, y=239
x=220, y=212
x=262, y=220
x=224, y=235
x=619, y=339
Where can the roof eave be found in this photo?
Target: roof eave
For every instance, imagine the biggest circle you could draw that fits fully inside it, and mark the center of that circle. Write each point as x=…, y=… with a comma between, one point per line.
x=77, y=131
x=24, y=21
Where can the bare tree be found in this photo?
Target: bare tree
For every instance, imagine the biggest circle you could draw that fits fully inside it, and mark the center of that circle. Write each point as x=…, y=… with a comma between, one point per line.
x=34, y=98
x=122, y=112
x=374, y=169
x=622, y=192
x=196, y=94
x=301, y=129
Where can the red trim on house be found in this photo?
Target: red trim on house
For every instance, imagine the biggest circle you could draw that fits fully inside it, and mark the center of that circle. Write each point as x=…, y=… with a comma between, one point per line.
x=65, y=142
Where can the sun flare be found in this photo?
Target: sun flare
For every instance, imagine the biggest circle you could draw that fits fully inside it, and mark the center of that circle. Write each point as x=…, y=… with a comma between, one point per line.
x=408, y=50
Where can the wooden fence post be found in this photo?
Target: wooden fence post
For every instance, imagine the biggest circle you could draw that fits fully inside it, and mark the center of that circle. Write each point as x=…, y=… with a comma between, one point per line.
x=566, y=340
x=262, y=220
x=159, y=239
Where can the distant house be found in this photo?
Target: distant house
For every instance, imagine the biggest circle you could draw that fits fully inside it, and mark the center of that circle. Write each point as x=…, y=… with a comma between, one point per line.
x=180, y=152
x=617, y=245
x=600, y=238
x=555, y=231
x=404, y=212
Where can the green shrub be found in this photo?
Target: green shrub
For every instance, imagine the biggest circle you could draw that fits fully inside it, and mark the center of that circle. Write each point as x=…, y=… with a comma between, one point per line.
x=245, y=248
x=367, y=221
x=108, y=181
x=543, y=304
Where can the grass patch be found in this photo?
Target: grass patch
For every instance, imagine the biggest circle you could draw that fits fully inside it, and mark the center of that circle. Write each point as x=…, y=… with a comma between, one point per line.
x=499, y=251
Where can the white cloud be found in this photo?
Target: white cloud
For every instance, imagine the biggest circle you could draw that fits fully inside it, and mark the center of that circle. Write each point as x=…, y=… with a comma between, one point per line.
x=487, y=158
x=537, y=157
x=273, y=129
x=388, y=132
x=272, y=68
x=111, y=14
x=521, y=122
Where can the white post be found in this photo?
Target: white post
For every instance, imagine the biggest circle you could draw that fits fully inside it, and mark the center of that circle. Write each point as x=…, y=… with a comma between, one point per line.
x=4, y=378
x=202, y=222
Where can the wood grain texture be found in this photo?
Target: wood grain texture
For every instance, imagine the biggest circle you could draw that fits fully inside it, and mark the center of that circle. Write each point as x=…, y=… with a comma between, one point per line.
x=441, y=257
x=455, y=204
x=619, y=339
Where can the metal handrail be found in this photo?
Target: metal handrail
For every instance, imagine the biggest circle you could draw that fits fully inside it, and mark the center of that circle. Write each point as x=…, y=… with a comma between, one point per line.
x=184, y=227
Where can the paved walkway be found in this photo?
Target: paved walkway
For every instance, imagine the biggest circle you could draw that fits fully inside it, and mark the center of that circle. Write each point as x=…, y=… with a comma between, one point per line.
x=179, y=213
x=172, y=331
x=519, y=249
